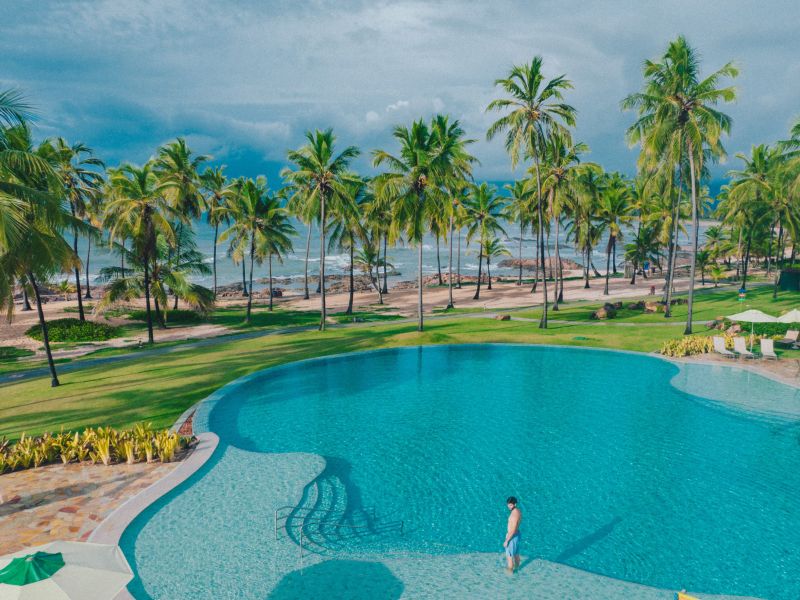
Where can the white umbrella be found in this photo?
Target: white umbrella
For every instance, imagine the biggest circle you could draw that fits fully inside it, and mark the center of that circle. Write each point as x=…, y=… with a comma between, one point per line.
x=90, y=572
x=753, y=316
x=793, y=316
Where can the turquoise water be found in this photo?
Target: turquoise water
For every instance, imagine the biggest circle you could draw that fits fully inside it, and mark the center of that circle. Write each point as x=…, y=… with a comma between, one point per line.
x=618, y=473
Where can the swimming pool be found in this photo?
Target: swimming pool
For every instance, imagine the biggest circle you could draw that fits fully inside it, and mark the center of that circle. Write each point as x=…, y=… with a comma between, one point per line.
x=412, y=452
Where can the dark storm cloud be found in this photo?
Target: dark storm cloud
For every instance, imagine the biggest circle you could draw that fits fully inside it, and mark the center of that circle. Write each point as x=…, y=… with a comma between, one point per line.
x=244, y=80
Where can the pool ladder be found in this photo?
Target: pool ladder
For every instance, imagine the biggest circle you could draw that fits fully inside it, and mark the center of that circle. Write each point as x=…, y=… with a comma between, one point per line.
x=284, y=513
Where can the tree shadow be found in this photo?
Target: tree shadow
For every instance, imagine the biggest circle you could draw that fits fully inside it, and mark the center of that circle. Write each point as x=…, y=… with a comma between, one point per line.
x=341, y=579
x=582, y=544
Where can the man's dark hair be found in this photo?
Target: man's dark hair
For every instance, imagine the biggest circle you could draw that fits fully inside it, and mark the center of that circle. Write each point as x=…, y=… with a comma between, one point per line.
x=511, y=500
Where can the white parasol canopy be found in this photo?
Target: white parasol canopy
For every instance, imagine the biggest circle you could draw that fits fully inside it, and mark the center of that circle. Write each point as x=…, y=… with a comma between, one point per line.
x=90, y=572
x=753, y=316
x=793, y=316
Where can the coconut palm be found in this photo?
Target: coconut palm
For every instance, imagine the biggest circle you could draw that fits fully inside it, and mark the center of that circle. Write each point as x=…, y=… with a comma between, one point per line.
x=348, y=226
x=534, y=111
x=493, y=248
x=278, y=233
x=214, y=183
x=613, y=212
x=77, y=169
x=678, y=120
x=485, y=209
x=521, y=209
x=305, y=207
x=139, y=211
x=33, y=218
x=317, y=166
x=251, y=203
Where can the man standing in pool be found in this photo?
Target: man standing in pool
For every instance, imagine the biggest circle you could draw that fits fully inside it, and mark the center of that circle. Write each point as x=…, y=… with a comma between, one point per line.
x=512, y=535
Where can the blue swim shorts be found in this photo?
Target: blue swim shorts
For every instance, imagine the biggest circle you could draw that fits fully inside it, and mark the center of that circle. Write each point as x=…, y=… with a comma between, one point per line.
x=512, y=548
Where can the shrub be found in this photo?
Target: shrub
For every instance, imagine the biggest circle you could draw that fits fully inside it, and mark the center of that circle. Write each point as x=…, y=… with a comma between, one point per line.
x=73, y=330
x=103, y=445
x=173, y=317
x=687, y=346
x=11, y=353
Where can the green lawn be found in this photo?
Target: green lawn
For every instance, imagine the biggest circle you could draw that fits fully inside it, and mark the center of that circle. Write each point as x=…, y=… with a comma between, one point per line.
x=159, y=388
x=709, y=304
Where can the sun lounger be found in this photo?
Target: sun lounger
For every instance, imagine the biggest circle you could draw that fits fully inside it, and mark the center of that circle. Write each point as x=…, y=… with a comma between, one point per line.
x=791, y=338
x=767, y=349
x=719, y=347
x=740, y=347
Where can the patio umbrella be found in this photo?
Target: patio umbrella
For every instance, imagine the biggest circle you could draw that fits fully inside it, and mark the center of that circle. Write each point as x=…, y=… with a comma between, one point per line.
x=793, y=316
x=64, y=571
x=753, y=316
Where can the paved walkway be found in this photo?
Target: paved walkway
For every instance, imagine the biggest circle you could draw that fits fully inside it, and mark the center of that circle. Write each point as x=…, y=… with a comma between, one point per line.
x=66, y=502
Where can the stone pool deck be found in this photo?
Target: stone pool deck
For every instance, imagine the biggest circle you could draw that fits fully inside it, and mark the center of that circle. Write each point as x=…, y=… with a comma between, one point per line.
x=67, y=502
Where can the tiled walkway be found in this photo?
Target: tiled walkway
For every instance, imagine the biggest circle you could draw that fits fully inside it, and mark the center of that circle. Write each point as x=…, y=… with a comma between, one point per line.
x=61, y=502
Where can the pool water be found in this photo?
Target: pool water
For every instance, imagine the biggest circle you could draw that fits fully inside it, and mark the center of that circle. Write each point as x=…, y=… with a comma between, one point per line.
x=409, y=451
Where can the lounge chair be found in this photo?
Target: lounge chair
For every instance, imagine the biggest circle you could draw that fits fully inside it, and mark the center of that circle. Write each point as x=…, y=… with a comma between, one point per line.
x=791, y=337
x=740, y=347
x=719, y=347
x=767, y=349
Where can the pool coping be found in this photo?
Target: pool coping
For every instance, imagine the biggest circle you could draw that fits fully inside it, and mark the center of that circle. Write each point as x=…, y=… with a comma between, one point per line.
x=112, y=527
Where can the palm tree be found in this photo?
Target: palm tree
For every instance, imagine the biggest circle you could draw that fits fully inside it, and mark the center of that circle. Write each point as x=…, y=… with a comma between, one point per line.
x=678, y=119
x=493, y=248
x=535, y=111
x=75, y=166
x=643, y=248
x=346, y=217
x=582, y=203
x=485, y=209
x=278, y=233
x=139, y=211
x=305, y=207
x=424, y=164
x=248, y=213
x=703, y=260
x=717, y=272
x=179, y=177
x=614, y=211
x=521, y=209
x=33, y=218
x=317, y=166
x=214, y=183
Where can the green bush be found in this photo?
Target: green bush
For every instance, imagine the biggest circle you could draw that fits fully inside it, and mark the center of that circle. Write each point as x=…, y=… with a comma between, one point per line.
x=768, y=329
x=73, y=330
x=101, y=445
x=10, y=353
x=687, y=346
x=174, y=317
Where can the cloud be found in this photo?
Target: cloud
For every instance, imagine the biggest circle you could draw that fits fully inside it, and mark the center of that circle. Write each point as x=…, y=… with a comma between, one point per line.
x=397, y=105
x=248, y=78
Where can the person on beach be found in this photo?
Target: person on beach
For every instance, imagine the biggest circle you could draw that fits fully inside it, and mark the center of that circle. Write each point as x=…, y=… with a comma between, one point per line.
x=511, y=544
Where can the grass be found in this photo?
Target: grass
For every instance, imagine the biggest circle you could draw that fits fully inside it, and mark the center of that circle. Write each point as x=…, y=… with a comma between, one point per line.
x=158, y=388
x=12, y=353
x=708, y=305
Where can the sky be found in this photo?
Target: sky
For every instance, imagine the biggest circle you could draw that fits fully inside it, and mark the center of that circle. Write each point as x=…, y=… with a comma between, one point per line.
x=243, y=81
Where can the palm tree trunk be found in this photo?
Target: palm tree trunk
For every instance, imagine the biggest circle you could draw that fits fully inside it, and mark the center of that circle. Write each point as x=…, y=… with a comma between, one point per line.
x=270, y=280
x=216, y=235
x=26, y=304
x=458, y=265
x=419, y=285
x=557, y=255
x=739, y=255
x=438, y=261
x=608, y=261
x=252, y=260
x=480, y=261
x=489, y=271
x=88, y=294
x=162, y=324
x=308, y=251
x=45, y=337
x=695, y=241
x=769, y=248
x=614, y=256
x=543, y=321
x=146, y=261
x=746, y=259
x=323, y=307
x=349, y=310
x=586, y=268
x=385, y=259
x=535, y=262
x=519, y=276
x=674, y=257
x=450, y=266
x=244, y=279
x=779, y=251
x=81, y=315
